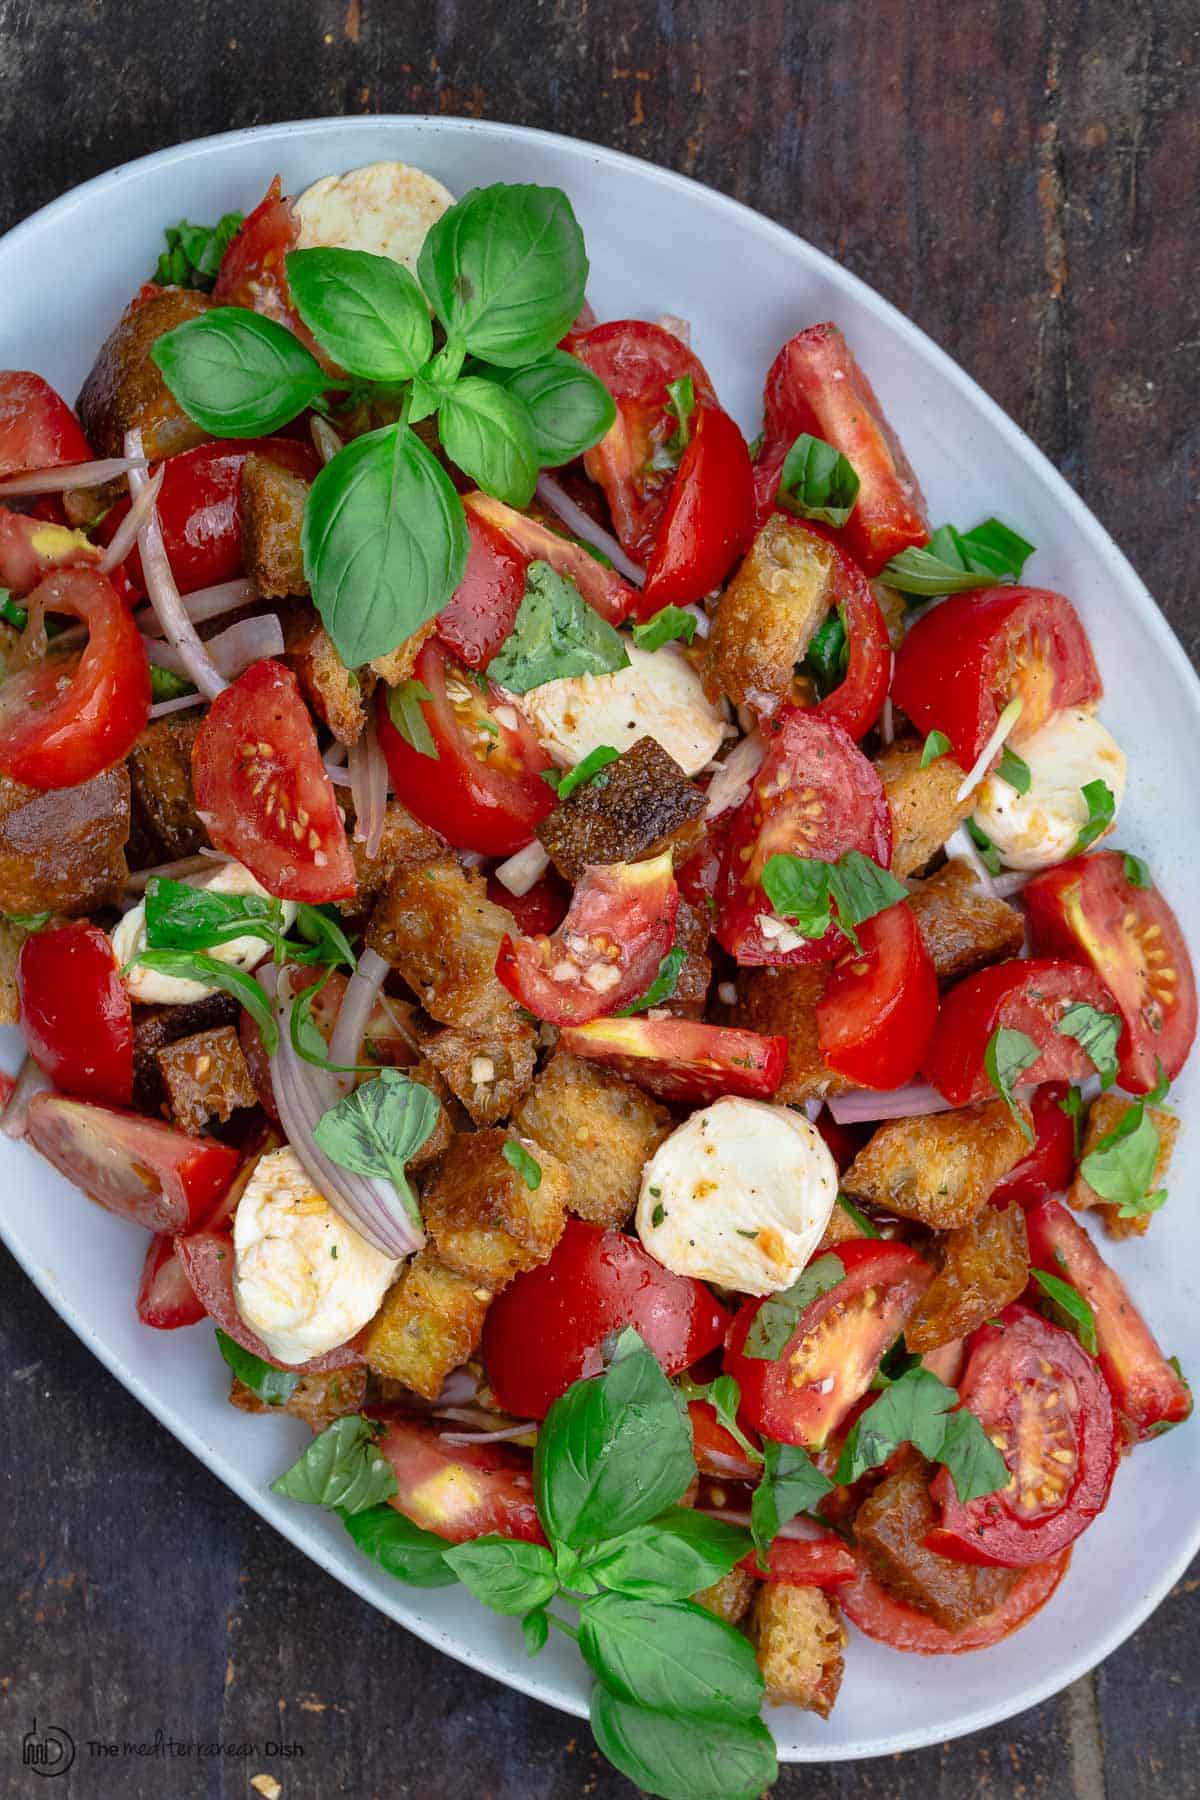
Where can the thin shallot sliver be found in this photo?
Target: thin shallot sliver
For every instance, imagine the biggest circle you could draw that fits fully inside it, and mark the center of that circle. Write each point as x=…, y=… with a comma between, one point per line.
x=586, y=528
x=65, y=476
x=523, y=870
x=125, y=536
x=163, y=593
x=205, y=604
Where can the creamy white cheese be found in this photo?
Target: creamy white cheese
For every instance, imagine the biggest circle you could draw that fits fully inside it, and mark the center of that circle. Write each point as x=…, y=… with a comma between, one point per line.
x=659, y=695
x=152, y=989
x=385, y=208
x=1038, y=829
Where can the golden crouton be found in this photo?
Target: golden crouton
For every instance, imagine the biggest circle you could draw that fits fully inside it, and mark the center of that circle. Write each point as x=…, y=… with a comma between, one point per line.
x=1104, y=1115
x=317, y=1399
x=397, y=665
x=840, y=1229
x=442, y=1135
x=489, y=1071
x=635, y=807
x=728, y=1598
x=890, y=1529
x=985, y=1264
x=437, y=926
x=125, y=387
x=784, y=1000
x=695, y=971
x=486, y=1222
x=273, y=501
x=963, y=928
x=160, y=773
x=11, y=940
x=924, y=809
x=334, y=692
x=205, y=1077
x=798, y=1637
x=768, y=614
x=403, y=840
x=63, y=849
x=938, y=1169
x=429, y=1324
x=600, y=1127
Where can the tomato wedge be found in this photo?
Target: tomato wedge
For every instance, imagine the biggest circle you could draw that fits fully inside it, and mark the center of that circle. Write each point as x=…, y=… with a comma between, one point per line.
x=253, y=270
x=207, y=1259
x=606, y=952
x=38, y=430
x=962, y=663
x=822, y=1560
x=1051, y=1163
x=816, y=795
x=708, y=519
x=716, y=1450
x=596, y=1283
x=879, y=1615
x=76, y=1013
x=1149, y=1391
x=460, y=1491
x=166, y=1299
x=263, y=790
x=482, y=789
x=601, y=587
x=815, y=385
x=1027, y=995
x=540, y=909
x=828, y=1362
x=32, y=547
x=876, y=1017
x=1047, y=1408
x=67, y=718
x=1089, y=911
x=682, y=1060
x=857, y=703
x=483, y=607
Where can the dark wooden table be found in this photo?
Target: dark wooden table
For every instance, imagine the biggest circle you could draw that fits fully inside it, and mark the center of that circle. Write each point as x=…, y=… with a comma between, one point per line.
x=1021, y=179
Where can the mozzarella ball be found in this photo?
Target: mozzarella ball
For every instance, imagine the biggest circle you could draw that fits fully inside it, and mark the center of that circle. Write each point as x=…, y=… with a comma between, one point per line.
x=385, y=208
x=659, y=695
x=152, y=989
x=1040, y=828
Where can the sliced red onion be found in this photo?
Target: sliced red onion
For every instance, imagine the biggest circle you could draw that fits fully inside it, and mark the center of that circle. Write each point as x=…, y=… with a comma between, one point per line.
x=703, y=622
x=232, y=650
x=362, y=991
x=176, y=871
x=960, y=843
x=523, y=870
x=325, y=439
x=504, y=1436
x=125, y=535
x=799, y=1529
x=161, y=708
x=205, y=604
x=163, y=593
x=65, y=476
x=812, y=1108
x=585, y=527
x=864, y=1105
x=339, y=775
x=680, y=328
x=731, y=783
x=30, y=1082
x=369, y=787
x=459, y=1387
x=887, y=722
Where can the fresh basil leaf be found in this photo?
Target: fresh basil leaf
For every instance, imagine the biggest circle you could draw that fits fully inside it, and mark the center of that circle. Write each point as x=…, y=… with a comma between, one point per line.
x=828, y=655
x=182, y=917
x=817, y=482
x=1068, y=1307
x=188, y=965
x=165, y=684
x=1075, y=1107
x=1102, y=807
x=924, y=574
x=1136, y=872
x=775, y=1321
x=528, y=1167
x=671, y=1558
x=668, y=624
x=569, y=408
x=801, y=890
x=1015, y=770
x=894, y=1364
x=18, y=617
x=663, y=985
x=989, y=856
x=861, y=889
x=1096, y=1033
x=238, y=374
x=343, y=1468
x=791, y=1483
x=670, y=1656
x=1008, y=1054
x=976, y=1466
x=405, y=1550
x=376, y=1129
x=274, y=1386
x=535, y=1629
x=322, y=932
x=29, y=922
x=585, y=771
x=1122, y=1166
x=556, y=635
x=408, y=716
x=993, y=549
x=193, y=254
x=723, y=1394
x=308, y=1040
x=957, y=561
x=683, y=1758
x=916, y=1409
x=936, y=745
x=505, y=270
x=867, y=1226
x=385, y=542
x=505, y=1574
x=486, y=431
x=366, y=311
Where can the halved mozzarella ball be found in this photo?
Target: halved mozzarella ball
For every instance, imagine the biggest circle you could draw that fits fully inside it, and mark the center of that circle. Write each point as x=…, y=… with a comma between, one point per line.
x=153, y=989
x=303, y=1279
x=659, y=695
x=740, y=1195
x=1037, y=829
x=385, y=208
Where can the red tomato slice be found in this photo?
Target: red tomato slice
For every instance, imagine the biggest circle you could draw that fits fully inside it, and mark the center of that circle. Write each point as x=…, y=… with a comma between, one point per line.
x=708, y=519
x=200, y=511
x=76, y=1013
x=207, y=1258
x=1089, y=911
x=601, y=587
x=460, y=1491
x=596, y=1283
x=263, y=790
x=962, y=663
x=1051, y=1163
x=166, y=1300
x=844, y=1141
x=636, y=361
x=483, y=790
x=815, y=385
x=606, y=952
x=541, y=910
x=816, y=795
x=253, y=271
x=858, y=702
x=716, y=1450
x=828, y=1361
x=480, y=612
x=1047, y=1408
x=1027, y=995
x=1149, y=1391
x=699, y=878
x=65, y=719
x=682, y=1060
x=38, y=430
x=139, y=1168
x=32, y=547
x=879, y=1615
x=822, y=1561
x=876, y=1017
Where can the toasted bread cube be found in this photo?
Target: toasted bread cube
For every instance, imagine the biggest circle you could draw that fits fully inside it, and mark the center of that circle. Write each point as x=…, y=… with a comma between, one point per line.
x=695, y=972
x=63, y=849
x=160, y=771
x=964, y=929
x=398, y=664
x=334, y=692
x=602, y=1129
x=938, y=1169
x=728, y=1598
x=125, y=387
x=429, y=1324
x=442, y=1135
x=841, y=1229
x=634, y=807
x=11, y=940
x=489, y=1071
x=784, y=1001
x=205, y=1077
x=403, y=840
x=437, y=926
x=985, y=1264
x=924, y=807
x=273, y=501
x=766, y=618
x=890, y=1528
x=154, y=1027
x=1104, y=1115
x=798, y=1637
x=317, y=1399
x=486, y=1222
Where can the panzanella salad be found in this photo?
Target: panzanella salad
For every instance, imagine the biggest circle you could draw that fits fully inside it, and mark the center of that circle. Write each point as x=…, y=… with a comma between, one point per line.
x=593, y=948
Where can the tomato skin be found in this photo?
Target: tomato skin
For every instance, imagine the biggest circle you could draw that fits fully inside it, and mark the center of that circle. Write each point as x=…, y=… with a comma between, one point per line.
x=596, y=1282
x=809, y=761
x=626, y=908
x=38, y=430
x=483, y=607
x=682, y=1060
x=166, y=1299
x=880, y=1615
x=539, y=911
x=1023, y=1357
x=716, y=1450
x=776, y=1408
x=207, y=1259
x=815, y=385
x=708, y=519
x=1028, y=995
x=1051, y=1163
x=461, y=1491
x=32, y=547
x=822, y=1561
x=1150, y=1394
x=1089, y=911
x=76, y=1014
x=602, y=588
x=965, y=660
x=242, y=798
x=876, y=1017
x=253, y=270
x=844, y=1141
x=56, y=736
x=858, y=702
